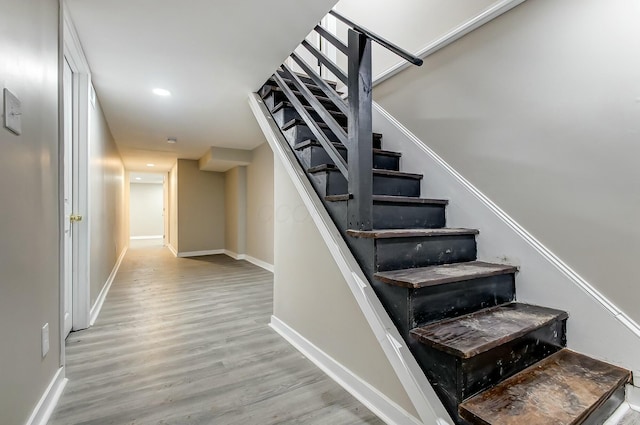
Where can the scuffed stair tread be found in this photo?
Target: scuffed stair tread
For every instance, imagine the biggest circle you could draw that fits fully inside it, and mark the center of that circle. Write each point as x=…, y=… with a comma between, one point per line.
x=390, y=173
x=410, y=233
x=390, y=199
x=446, y=273
x=563, y=389
x=469, y=335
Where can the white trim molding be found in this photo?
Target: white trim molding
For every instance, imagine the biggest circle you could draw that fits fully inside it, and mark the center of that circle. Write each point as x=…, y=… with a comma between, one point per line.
x=492, y=12
x=72, y=51
x=97, y=306
x=596, y=326
x=255, y=261
x=172, y=249
x=234, y=255
x=47, y=403
x=427, y=404
x=199, y=253
x=374, y=400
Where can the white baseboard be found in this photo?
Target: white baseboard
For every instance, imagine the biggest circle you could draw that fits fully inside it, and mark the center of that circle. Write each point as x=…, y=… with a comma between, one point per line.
x=633, y=396
x=374, y=400
x=172, y=249
x=47, y=403
x=97, y=306
x=199, y=253
x=259, y=263
x=235, y=255
x=137, y=238
x=263, y=264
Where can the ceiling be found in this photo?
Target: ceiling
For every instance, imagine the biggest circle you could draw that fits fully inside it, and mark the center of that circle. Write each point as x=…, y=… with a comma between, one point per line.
x=148, y=178
x=209, y=54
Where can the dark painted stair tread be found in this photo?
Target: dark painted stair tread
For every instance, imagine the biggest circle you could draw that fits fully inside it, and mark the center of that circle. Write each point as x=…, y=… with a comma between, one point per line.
x=298, y=94
x=285, y=104
x=390, y=173
x=563, y=389
x=295, y=122
x=304, y=78
x=410, y=233
x=446, y=273
x=390, y=199
x=310, y=142
x=475, y=333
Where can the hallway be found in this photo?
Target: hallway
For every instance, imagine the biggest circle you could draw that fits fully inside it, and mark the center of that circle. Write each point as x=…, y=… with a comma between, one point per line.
x=186, y=341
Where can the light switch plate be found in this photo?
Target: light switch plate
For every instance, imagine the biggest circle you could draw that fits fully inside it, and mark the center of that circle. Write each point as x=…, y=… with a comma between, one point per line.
x=45, y=339
x=12, y=113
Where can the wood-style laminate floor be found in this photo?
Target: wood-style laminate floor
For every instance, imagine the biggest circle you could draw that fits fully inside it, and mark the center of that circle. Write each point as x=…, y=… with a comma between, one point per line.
x=185, y=341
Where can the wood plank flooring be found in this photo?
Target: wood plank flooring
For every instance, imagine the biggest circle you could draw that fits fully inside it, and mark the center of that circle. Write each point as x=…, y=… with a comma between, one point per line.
x=186, y=341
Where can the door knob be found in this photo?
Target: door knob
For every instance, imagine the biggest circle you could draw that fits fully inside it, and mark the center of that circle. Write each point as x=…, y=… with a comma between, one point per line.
x=75, y=217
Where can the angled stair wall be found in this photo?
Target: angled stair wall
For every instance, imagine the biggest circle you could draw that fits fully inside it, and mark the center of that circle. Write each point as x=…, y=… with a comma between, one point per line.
x=459, y=316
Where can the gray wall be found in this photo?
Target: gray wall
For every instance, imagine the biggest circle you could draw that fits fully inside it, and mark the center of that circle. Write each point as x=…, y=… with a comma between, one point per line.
x=200, y=215
x=540, y=110
x=29, y=217
x=107, y=196
x=235, y=204
x=411, y=24
x=260, y=204
x=146, y=201
x=312, y=297
x=173, y=207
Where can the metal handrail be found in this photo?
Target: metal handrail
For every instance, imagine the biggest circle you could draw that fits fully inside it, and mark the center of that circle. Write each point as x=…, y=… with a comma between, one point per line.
x=381, y=41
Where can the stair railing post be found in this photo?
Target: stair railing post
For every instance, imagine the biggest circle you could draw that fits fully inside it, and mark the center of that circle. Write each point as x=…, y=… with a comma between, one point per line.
x=360, y=154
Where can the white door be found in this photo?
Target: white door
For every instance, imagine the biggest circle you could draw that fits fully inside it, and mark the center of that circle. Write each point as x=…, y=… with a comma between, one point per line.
x=68, y=198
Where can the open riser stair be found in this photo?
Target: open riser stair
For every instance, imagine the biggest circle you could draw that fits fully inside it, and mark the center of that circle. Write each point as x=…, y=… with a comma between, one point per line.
x=490, y=359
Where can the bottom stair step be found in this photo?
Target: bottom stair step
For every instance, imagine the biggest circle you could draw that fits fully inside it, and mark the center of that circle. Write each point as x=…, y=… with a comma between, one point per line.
x=566, y=388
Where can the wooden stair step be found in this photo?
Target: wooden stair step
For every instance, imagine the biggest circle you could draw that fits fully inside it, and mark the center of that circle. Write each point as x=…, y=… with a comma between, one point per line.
x=383, y=199
x=563, y=389
x=410, y=233
x=322, y=125
x=340, y=146
x=446, y=273
x=285, y=104
x=389, y=173
x=469, y=335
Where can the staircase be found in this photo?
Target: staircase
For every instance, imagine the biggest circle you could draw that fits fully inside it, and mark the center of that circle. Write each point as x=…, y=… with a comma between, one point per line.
x=490, y=359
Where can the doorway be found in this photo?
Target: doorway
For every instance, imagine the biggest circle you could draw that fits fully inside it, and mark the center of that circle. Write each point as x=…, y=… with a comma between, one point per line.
x=67, y=247
x=147, y=218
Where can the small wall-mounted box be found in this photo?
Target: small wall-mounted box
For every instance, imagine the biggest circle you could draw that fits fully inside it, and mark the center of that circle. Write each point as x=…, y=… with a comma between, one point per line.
x=12, y=112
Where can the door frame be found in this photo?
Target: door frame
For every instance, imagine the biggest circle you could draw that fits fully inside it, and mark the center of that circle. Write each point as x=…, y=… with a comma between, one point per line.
x=82, y=100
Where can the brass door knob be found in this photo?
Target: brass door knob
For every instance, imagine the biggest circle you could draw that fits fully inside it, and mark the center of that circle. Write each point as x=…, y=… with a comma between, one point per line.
x=75, y=217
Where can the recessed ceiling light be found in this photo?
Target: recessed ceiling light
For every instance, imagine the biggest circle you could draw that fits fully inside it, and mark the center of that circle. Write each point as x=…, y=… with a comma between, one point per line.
x=172, y=140
x=138, y=178
x=161, y=92
x=151, y=165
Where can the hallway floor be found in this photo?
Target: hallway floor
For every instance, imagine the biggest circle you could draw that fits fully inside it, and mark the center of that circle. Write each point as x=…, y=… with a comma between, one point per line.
x=186, y=341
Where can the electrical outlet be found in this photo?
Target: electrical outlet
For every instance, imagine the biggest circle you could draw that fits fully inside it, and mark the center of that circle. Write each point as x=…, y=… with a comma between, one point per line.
x=45, y=339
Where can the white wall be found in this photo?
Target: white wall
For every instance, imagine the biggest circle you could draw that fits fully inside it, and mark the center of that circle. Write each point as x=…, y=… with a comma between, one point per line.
x=410, y=24
x=200, y=208
x=29, y=216
x=260, y=204
x=235, y=204
x=539, y=109
x=312, y=297
x=146, y=203
x=107, y=198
